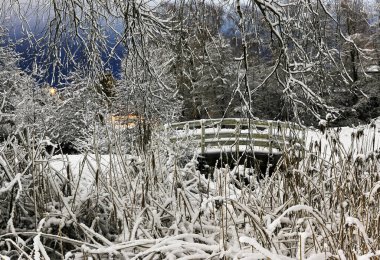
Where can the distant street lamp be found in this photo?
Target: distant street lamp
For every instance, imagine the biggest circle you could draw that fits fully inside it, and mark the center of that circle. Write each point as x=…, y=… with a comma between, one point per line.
x=52, y=91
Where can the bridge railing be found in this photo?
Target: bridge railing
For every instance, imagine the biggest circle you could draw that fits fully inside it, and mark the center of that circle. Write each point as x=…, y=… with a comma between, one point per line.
x=240, y=134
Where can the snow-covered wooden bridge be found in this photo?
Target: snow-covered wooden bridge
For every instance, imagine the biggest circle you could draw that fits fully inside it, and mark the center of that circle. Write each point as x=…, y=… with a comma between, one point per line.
x=238, y=139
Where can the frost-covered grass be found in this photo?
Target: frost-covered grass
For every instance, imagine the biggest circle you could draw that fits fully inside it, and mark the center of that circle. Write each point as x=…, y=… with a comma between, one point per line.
x=157, y=205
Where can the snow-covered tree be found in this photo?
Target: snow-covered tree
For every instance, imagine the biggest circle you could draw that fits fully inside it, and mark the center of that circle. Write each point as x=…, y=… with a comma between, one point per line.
x=304, y=60
x=81, y=114
x=17, y=106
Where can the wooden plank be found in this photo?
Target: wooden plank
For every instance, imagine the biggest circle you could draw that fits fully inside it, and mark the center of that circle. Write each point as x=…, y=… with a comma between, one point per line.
x=232, y=143
x=234, y=121
x=222, y=135
x=222, y=122
x=253, y=136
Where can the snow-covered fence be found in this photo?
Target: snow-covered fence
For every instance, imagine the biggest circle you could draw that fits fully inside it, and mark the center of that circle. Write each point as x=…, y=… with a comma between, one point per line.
x=240, y=135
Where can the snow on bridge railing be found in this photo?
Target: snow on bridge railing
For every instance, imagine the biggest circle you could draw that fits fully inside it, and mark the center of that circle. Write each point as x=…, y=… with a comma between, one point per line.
x=239, y=135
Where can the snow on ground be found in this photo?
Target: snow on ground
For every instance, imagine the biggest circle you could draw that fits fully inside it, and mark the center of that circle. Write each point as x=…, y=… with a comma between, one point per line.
x=373, y=68
x=358, y=140
x=87, y=168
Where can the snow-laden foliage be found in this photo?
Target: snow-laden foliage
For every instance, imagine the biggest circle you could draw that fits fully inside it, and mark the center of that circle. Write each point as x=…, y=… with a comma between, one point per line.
x=158, y=205
x=80, y=112
x=17, y=89
x=69, y=117
x=148, y=88
x=310, y=48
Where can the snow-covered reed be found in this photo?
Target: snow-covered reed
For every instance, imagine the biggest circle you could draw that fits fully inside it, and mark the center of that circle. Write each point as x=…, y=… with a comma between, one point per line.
x=157, y=205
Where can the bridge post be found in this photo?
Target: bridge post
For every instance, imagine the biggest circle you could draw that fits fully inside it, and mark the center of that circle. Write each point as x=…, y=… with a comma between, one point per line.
x=237, y=136
x=203, y=131
x=270, y=135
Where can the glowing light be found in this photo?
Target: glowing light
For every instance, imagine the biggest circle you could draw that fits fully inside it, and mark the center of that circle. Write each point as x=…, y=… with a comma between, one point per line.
x=129, y=121
x=52, y=91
